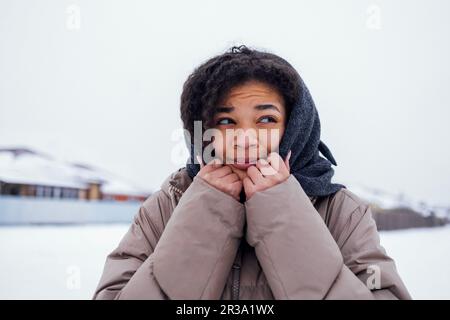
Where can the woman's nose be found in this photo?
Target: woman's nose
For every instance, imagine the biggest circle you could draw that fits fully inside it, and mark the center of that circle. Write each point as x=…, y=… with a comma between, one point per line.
x=246, y=138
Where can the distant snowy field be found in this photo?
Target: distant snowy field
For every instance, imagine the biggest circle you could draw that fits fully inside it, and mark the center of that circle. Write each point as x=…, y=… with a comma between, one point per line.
x=49, y=262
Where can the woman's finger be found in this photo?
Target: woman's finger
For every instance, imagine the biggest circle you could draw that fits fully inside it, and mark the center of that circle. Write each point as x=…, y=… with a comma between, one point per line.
x=200, y=161
x=231, y=178
x=286, y=162
x=255, y=175
x=275, y=161
x=249, y=187
x=212, y=165
x=237, y=187
x=265, y=168
x=221, y=172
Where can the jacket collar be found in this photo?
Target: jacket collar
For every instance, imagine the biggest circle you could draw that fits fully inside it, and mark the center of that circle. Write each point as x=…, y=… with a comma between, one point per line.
x=178, y=181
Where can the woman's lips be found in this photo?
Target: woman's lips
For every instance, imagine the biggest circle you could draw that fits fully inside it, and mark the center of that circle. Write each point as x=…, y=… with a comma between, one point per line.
x=242, y=166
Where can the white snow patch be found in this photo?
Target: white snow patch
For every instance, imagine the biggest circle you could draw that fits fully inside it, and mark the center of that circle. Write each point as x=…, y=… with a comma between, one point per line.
x=47, y=262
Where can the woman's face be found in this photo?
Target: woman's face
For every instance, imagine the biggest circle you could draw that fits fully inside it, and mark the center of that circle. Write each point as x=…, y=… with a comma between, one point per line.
x=251, y=119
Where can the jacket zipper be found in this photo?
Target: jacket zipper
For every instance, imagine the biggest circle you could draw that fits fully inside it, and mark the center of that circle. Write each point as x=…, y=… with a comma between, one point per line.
x=235, y=286
x=171, y=186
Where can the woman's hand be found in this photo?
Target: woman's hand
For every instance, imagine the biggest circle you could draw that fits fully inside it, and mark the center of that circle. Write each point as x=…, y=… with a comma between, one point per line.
x=221, y=177
x=266, y=174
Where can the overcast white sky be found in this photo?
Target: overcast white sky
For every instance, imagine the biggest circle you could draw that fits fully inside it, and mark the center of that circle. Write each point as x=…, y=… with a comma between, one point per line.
x=107, y=93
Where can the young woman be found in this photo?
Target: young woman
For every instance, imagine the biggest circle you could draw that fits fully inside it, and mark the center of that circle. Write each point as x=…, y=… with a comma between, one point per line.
x=262, y=220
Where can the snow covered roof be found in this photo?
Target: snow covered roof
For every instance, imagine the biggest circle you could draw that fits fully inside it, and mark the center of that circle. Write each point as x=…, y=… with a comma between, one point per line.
x=26, y=166
x=388, y=200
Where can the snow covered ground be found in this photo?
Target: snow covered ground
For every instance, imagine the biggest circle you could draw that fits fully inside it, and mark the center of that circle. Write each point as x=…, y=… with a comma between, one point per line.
x=49, y=262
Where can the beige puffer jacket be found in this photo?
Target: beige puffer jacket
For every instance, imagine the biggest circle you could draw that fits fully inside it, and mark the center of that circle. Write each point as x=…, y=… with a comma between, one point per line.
x=190, y=240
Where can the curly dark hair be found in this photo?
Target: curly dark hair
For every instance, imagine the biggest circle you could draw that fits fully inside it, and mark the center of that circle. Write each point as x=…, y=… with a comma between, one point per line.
x=211, y=81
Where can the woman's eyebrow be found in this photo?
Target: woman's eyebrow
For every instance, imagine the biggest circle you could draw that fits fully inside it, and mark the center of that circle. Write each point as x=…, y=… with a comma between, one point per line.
x=224, y=109
x=229, y=109
x=267, y=106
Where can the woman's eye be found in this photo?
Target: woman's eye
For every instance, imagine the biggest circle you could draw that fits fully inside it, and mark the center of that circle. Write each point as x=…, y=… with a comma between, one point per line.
x=267, y=120
x=225, y=121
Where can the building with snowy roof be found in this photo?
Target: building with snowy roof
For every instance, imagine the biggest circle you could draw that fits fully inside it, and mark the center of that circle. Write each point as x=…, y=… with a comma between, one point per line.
x=28, y=173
